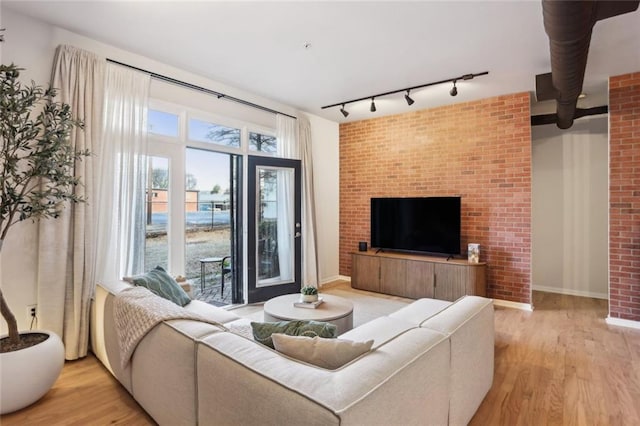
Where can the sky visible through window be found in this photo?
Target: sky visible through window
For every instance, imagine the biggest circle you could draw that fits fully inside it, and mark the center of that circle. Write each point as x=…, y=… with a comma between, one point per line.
x=209, y=169
x=162, y=123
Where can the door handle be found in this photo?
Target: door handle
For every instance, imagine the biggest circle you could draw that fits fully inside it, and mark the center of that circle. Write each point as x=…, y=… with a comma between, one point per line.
x=297, y=235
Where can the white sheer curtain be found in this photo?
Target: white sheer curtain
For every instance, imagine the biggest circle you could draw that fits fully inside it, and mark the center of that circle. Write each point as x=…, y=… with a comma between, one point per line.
x=86, y=243
x=294, y=141
x=66, y=246
x=287, y=148
x=121, y=215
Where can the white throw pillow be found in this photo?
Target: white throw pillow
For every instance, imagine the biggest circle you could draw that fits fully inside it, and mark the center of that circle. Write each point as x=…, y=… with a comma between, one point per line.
x=325, y=353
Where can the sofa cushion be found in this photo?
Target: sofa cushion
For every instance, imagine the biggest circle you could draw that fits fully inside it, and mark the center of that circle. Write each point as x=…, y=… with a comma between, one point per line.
x=211, y=312
x=380, y=330
x=420, y=310
x=262, y=331
x=161, y=284
x=325, y=353
x=241, y=327
x=458, y=313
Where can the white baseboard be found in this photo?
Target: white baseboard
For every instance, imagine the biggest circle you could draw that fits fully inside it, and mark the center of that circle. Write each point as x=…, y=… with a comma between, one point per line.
x=571, y=292
x=513, y=305
x=623, y=322
x=333, y=279
x=330, y=279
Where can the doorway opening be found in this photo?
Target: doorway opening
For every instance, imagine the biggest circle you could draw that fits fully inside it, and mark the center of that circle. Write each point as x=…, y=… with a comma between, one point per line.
x=570, y=209
x=211, y=225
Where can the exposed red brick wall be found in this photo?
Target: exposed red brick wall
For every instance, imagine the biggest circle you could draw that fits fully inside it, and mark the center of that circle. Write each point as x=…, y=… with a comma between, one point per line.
x=624, y=196
x=480, y=150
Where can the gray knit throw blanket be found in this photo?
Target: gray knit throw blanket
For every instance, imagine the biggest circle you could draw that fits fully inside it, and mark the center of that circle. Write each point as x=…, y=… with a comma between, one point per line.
x=137, y=310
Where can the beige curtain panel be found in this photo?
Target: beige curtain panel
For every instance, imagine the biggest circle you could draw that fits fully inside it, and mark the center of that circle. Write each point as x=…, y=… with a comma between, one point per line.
x=97, y=240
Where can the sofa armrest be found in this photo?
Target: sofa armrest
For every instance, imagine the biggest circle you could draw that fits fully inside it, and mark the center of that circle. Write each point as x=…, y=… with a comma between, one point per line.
x=163, y=371
x=469, y=322
x=104, y=340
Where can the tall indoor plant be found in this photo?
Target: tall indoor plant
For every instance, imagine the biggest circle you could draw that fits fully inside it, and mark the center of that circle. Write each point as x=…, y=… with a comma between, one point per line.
x=36, y=164
x=37, y=179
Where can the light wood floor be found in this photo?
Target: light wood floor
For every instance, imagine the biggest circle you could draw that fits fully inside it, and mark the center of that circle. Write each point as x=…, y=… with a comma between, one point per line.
x=563, y=365
x=558, y=365
x=84, y=394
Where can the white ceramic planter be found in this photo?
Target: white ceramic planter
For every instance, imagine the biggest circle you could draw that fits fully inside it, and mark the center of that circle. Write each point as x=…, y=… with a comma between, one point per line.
x=309, y=298
x=26, y=375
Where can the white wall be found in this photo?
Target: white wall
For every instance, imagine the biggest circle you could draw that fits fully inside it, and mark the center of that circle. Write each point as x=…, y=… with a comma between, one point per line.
x=325, y=135
x=27, y=44
x=31, y=44
x=569, y=208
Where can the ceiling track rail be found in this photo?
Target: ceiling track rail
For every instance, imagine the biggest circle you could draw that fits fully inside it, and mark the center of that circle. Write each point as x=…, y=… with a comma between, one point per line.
x=407, y=89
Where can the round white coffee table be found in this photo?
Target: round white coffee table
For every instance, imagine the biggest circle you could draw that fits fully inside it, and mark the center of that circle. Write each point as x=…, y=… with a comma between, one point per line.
x=334, y=309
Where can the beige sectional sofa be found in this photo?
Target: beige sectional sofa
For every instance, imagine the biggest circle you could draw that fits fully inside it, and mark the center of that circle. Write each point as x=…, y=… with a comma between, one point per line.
x=431, y=363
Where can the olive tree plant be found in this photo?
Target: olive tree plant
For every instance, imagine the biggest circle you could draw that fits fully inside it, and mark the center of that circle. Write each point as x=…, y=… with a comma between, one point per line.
x=36, y=163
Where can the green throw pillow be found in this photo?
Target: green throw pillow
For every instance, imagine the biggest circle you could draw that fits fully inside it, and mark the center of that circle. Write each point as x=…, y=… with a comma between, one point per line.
x=262, y=331
x=162, y=284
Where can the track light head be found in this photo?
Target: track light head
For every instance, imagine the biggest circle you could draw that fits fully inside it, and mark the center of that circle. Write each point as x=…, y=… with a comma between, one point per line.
x=408, y=99
x=454, y=91
x=344, y=111
x=373, y=105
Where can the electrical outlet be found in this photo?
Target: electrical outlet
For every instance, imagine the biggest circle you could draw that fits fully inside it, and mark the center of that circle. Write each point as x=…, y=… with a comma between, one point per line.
x=31, y=312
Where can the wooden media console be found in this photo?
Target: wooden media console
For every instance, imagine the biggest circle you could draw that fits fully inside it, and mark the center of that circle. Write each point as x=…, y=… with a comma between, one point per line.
x=416, y=276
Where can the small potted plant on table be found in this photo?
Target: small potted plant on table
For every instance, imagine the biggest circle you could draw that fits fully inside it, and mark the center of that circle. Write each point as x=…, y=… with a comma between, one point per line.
x=309, y=294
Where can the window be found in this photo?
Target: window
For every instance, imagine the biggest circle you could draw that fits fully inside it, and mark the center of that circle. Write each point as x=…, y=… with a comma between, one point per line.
x=162, y=123
x=263, y=143
x=268, y=265
x=193, y=199
x=203, y=131
x=156, y=251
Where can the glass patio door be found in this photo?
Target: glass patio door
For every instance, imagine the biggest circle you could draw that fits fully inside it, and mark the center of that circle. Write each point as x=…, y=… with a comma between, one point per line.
x=274, y=228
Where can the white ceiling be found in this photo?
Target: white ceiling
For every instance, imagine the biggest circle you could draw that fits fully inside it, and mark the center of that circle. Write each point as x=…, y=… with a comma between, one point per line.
x=357, y=49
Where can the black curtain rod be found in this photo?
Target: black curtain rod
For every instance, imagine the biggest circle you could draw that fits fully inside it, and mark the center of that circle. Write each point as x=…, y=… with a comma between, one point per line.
x=462, y=77
x=200, y=88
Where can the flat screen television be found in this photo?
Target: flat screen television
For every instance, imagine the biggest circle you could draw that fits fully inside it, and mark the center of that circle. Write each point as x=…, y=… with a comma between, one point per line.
x=425, y=224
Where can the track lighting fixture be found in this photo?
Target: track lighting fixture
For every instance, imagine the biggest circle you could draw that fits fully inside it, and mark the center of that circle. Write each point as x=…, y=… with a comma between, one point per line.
x=454, y=91
x=408, y=98
x=410, y=101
